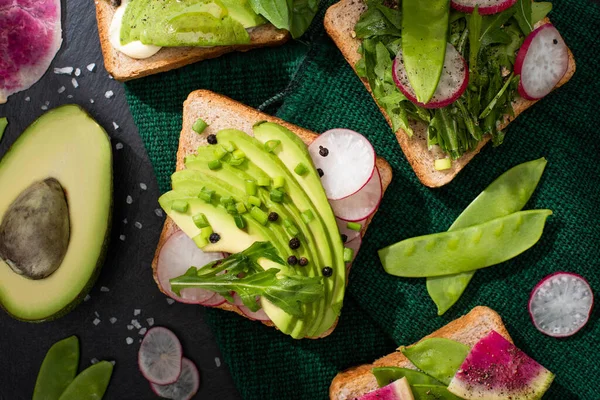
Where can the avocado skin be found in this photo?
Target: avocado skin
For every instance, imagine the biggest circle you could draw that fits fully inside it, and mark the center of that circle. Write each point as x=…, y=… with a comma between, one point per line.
x=79, y=297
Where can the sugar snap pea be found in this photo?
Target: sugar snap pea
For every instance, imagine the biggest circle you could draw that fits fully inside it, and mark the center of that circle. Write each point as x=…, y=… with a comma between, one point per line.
x=424, y=37
x=437, y=357
x=387, y=375
x=432, y=392
x=58, y=369
x=90, y=384
x=507, y=194
x=467, y=249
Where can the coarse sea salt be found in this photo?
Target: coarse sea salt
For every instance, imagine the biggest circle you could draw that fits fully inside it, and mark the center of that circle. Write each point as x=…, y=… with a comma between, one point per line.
x=138, y=225
x=96, y=321
x=104, y=289
x=91, y=67
x=143, y=186
x=109, y=94
x=115, y=125
x=129, y=199
x=129, y=340
x=142, y=331
x=112, y=320
x=75, y=83
x=150, y=321
x=94, y=360
x=61, y=89
x=63, y=71
x=87, y=297
x=217, y=362
x=129, y=327
x=135, y=323
x=122, y=238
x=119, y=146
x=170, y=300
x=158, y=212
x=77, y=72
x=137, y=312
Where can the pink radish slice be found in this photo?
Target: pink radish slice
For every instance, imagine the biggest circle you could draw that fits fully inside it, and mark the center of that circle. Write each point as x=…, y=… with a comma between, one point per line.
x=542, y=61
x=30, y=37
x=362, y=204
x=177, y=255
x=159, y=357
x=214, y=301
x=186, y=386
x=560, y=304
x=355, y=246
x=347, y=160
x=453, y=83
x=485, y=7
x=344, y=230
x=259, y=315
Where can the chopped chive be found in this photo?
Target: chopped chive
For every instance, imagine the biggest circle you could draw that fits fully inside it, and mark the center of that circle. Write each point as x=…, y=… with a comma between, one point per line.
x=348, y=254
x=287, y=222
x=240, y=222
x=301, y=169
x=240, y=207
x=180, y=206
x=259, y=215
x=355, y=226
x=206, y=195
x=276, y=196
x=271, y=145
x=230, y=147
x=200, y=240
x=251, y=187
x=199, y=126
x=290, y=227
x=232, y=209
x=206, y=232
x=226, y=201
x=214, y=165
x=255, y=201
x=278, y=182
x=264, y=182
x=219, y=152
x=238, y=154
x=236, y=161
x=200, y=220
x=442, y=164
x=307, y=216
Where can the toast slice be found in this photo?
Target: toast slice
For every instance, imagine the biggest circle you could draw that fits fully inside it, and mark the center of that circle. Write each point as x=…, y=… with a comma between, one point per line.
x=221, y=112
x=340, y=20
x=468, y=329
x=124, y=68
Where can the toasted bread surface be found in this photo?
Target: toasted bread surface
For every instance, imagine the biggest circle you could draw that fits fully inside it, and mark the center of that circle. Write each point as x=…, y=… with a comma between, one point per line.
x=124, y=68
x=221, y=112
x=468, y=329
x=340, y=20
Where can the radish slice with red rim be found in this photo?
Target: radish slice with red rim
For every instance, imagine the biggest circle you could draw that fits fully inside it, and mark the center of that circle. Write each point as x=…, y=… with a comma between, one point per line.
x=362, y=204
x=159, y=357
x=485, y=7
x=560, y=304
x=347, y=160
x=453, y=82
x=350, y=233
x=177, y=255
x=259, y=315
x=542, y=61
x=355, y=246
x=186, y=386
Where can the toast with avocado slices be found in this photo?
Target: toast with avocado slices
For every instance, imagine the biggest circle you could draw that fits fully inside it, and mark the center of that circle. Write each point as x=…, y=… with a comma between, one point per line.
x=260, y=33
x=468, y=330
x=219, y=118
x=420, y=150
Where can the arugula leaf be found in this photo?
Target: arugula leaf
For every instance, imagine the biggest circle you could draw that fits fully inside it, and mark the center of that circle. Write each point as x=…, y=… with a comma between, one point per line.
x=539, y=10
x=523, y=15
x=303, y=12
x=378, y=20
x=294, y=16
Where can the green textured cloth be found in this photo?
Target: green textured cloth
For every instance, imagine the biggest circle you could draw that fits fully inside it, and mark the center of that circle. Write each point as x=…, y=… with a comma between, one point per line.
x=310, y=84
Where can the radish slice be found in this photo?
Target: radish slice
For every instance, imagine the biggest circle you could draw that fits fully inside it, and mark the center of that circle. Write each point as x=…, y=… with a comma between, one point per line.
x=344, y=230
x=355, y=246
x=186, y=386
x=362, y=204
x=214, y=301
x=259, y=315
x=453, y=82
x=159, y=357
x=486, y=7
x=560, y=305
x=176, y=256
x=542, y=61
x=347, y=160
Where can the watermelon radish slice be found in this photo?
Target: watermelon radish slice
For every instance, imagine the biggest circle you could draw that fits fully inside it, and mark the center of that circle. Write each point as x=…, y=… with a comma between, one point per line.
x=347, y=160
x=485, y=7
x=361, y=204
x=542, y=61
x=560, y=305
x=30, y=37
x=186, y=386
x=177, y=255
x=397, y=390
x=453, y=83
x=159, y=357
x=497, y=369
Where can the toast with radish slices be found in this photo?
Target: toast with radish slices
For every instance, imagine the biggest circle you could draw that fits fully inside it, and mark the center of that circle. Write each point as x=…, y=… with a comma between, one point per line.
x=220, y=112
x=340, y=20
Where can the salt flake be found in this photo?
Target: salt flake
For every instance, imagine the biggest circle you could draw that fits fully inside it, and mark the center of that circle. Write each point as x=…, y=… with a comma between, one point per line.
x=104, y=289
x=142, y=331
x=61, y=89
x=109, y=94
x=129, y=340
x=91, y=67
x=119, y=146
x=96, y=321
x=75, y=83
x=170, y=300
x=77, y=72
x=63, y=71
x=150, y=321
x=129, y=199
x=112, y=320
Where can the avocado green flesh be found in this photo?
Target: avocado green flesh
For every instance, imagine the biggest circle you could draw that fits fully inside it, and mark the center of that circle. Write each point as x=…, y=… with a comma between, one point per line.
x=68, y=145
x=170, y=23
x=292, y=152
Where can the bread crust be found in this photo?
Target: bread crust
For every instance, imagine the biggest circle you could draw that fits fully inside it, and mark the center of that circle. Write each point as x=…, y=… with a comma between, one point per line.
x=221, y=112
x=124, y=68
x=340, y=20
x=468, y=329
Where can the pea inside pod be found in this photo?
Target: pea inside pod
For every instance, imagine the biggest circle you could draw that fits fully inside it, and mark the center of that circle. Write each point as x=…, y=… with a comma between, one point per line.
x=90, y=384
x=507, y=194
x=58, y=369
x=387, y=375
x=437, y=357
x=468, y=249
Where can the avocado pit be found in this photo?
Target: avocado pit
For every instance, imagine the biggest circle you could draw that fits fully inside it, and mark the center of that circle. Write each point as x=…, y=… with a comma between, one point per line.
x=35, y=230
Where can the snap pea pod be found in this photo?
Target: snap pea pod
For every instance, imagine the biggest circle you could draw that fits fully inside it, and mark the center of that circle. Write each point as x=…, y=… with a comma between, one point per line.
x=387, y=375
x=424, y=37
x=90, y=384
x=468, y=249
x=432, y=392
x=58, y=369
x=437, y=357
x=507, y=194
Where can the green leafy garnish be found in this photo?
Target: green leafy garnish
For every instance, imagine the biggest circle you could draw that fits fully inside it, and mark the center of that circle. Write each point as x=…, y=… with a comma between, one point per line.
x=292, y=15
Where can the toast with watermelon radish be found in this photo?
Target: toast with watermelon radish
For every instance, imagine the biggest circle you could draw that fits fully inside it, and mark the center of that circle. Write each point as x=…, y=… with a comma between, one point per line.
x=220, y=113
x=340, y=22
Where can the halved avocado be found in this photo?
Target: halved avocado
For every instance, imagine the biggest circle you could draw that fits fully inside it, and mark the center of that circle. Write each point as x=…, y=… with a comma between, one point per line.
x=67, y=149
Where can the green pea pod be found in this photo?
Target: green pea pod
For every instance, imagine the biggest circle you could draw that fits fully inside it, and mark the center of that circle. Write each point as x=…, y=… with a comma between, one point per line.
x=437, y=357
x=507, y=194
x=468, y=249
x=424, y=37
x=58, y=369
x=430, y=392
x=387, y=375
x=90, y=384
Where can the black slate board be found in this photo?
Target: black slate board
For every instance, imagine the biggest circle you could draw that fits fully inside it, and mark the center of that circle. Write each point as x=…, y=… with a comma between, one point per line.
x=127, y=272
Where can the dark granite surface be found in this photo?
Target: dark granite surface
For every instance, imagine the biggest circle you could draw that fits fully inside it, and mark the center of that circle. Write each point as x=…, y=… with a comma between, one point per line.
x=135, y=232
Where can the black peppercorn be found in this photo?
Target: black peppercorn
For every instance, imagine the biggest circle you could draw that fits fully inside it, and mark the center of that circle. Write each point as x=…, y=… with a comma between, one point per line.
x=115, y=3
x=323, y=151
x=292, y=260
x=320, y=171
x=273, y=216
x=211, y=139
x=327, y=271
x=214, y=237
x=344, y=238
x=303, y=262
x=294, y=243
